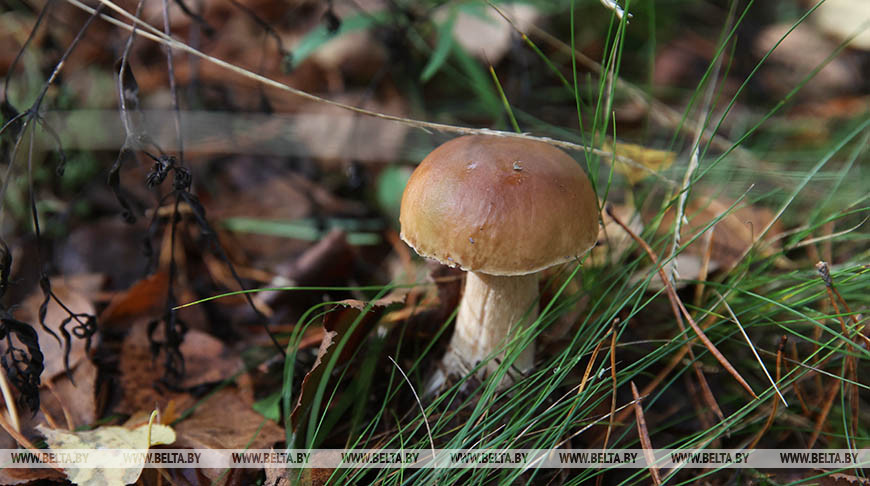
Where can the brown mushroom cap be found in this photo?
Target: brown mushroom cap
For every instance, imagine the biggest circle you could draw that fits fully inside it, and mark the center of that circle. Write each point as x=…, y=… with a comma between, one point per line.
x=499, y=205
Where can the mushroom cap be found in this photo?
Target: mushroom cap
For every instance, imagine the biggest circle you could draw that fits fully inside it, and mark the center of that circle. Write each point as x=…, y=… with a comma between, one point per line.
x=499, y=206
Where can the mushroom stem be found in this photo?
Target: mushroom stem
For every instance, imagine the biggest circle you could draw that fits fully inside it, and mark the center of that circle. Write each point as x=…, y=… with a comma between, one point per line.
x=493, y=308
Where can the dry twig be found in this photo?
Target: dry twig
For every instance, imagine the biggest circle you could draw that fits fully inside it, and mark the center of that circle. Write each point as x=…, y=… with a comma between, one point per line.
x=643, y=433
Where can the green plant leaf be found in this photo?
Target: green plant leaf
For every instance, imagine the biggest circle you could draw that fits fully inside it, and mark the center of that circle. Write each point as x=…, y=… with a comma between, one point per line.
x=321, y=35
x=442, y=48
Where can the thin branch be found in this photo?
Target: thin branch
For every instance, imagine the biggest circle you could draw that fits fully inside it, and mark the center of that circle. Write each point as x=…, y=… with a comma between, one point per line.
x=643, y=433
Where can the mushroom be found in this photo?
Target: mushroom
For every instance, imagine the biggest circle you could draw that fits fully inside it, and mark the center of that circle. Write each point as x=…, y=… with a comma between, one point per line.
x=502, y=209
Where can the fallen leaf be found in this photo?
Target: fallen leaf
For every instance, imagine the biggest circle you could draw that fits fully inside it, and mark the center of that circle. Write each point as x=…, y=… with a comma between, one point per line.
x=613, y=241
x=306, y=477
x=844, y=18
x=337, y=324
x=334, y=135
x=76, y=399
x=144, y=298
x=10, y=476
x=801, y=51
x=732, y=235
x=653, y=159
x=841, y=479
x=107, y=437
x=206, y=360
x=485, y=34
x=226, y=421
x=52, y=350
x=88, y=249
x=394, y=297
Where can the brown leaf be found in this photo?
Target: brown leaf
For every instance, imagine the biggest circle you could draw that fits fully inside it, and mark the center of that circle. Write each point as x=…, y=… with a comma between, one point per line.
x=312, y=377
x=10, y=476
x=800, y=52
x=841, y=479
x=74, y=402
x=394, y=297
x=52, y=350
x=337, y=324
x=206, y=360
x=307, y=477
x=226, y=421
x=144, y=298
x=732, y=235
x=327, y=261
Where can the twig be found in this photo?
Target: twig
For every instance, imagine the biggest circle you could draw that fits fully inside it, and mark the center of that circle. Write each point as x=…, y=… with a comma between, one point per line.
x=11, y=69
x=851, y=361
x=613, y=391
x=830, y=394
x=643, y=433
x=589, y=367
x=796, y=385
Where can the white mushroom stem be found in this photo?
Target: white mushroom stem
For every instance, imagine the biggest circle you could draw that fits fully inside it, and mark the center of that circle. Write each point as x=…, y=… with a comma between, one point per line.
x=492, y=310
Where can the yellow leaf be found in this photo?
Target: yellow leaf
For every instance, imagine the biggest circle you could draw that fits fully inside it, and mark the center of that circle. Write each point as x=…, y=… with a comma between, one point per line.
x=653, y=159
x=107, y=437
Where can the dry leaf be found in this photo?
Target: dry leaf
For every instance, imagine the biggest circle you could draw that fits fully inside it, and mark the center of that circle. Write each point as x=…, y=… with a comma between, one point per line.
x=732, y=235
x=653, y=159
x=613, y=241
x=306, y=477
x=206, y=360
x=337, y=323
x=107, y=437
x=485, y=34
x=799, y=53
x=841, y=479
x=331, y=134
x=76, y=400
x=844, y=18
x=52, y=350
x=144, y=298
x=226, y=421
x=41, y=476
